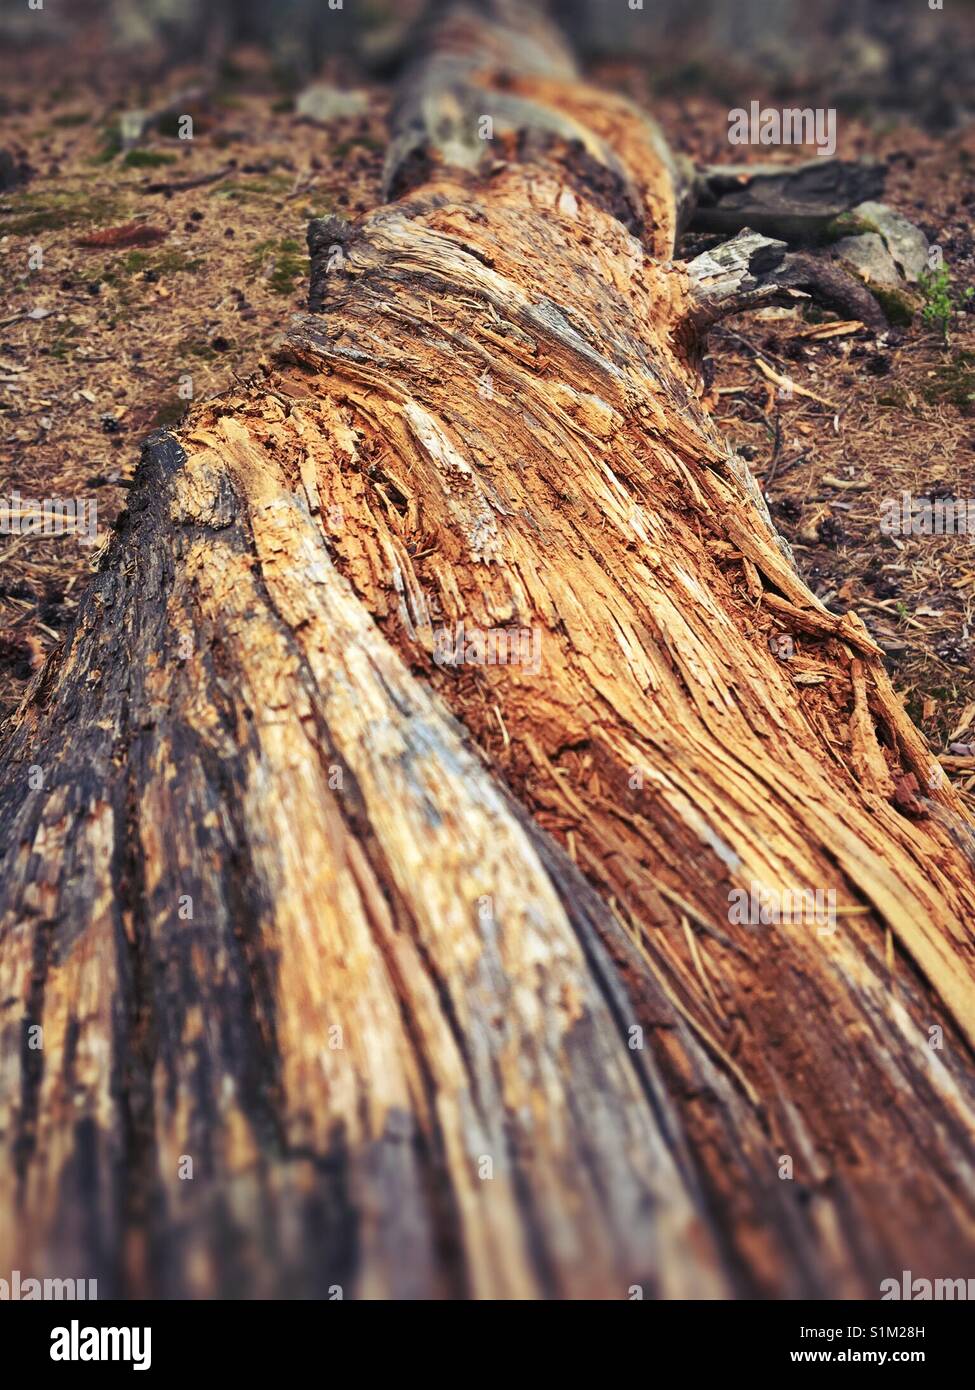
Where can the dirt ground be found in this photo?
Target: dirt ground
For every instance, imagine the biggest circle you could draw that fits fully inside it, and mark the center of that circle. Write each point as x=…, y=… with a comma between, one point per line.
x=109, y=333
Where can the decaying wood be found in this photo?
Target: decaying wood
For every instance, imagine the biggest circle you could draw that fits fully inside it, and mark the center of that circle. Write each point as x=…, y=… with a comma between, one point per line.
x=740, y=274
x=795, y=201
x=428, y=966
x=751, y=270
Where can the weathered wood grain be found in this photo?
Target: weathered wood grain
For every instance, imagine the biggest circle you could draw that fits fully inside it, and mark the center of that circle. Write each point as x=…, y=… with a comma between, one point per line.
x=750, y=270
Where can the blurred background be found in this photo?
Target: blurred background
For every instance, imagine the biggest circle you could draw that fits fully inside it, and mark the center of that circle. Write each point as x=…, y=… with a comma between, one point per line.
x=897, y=53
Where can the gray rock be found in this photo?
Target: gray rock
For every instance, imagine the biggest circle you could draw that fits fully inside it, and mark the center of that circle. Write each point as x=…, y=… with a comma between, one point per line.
x=870, y=259
x=905, y=242
x=322, y=103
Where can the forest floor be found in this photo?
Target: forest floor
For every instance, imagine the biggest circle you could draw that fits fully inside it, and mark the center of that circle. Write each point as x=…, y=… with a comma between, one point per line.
x=896, y=415
x=107, y=335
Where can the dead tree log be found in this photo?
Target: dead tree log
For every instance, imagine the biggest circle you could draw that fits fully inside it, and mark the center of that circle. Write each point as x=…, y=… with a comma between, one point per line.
x=751, y=270
x=360, y=965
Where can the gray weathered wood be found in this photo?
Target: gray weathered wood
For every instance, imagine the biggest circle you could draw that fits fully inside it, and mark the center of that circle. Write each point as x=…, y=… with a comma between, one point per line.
x=794, y=201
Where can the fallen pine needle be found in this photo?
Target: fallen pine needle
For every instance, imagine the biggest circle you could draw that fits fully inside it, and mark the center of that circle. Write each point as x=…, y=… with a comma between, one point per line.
x=787, y=384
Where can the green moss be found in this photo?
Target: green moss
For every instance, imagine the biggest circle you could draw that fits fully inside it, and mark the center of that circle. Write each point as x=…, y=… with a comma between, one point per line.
x=953, y=382
x=133, y=262
x=287, y=271
x=71, y=119
x=259, y=253
x=326, y=209
x=693, y=76
x=288, y=263
x=898, y=306
x=243, y=189
x=62, y=345
x=174, y=262
x=26, y=213
x=941, y=299
x=895, y=396
x=169, y=262
x=287, y=78
x=169, y=124
x=848, y=224
x=343, y=147
x=111, y=145
x=147, y=159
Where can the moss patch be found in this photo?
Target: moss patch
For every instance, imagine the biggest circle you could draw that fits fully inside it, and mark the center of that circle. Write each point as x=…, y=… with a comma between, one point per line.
x=286, y=259
x=894, y=396
x=147, y=159
x=848, y=224
x=169, y=413
x=243, y=189
x=899, y=306
x=51, y=211
x=168, y=262
x=196, y=347
x=63, y=344
x=325, y=209
x=110, y=146
x=365, y=142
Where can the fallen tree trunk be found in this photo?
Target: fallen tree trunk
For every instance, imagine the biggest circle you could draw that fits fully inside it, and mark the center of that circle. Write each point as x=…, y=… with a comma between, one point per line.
x=366, y=962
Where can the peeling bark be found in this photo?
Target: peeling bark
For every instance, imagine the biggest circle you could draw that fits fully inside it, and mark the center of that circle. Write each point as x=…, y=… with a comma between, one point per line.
x=751, y=270
x=507, y=888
